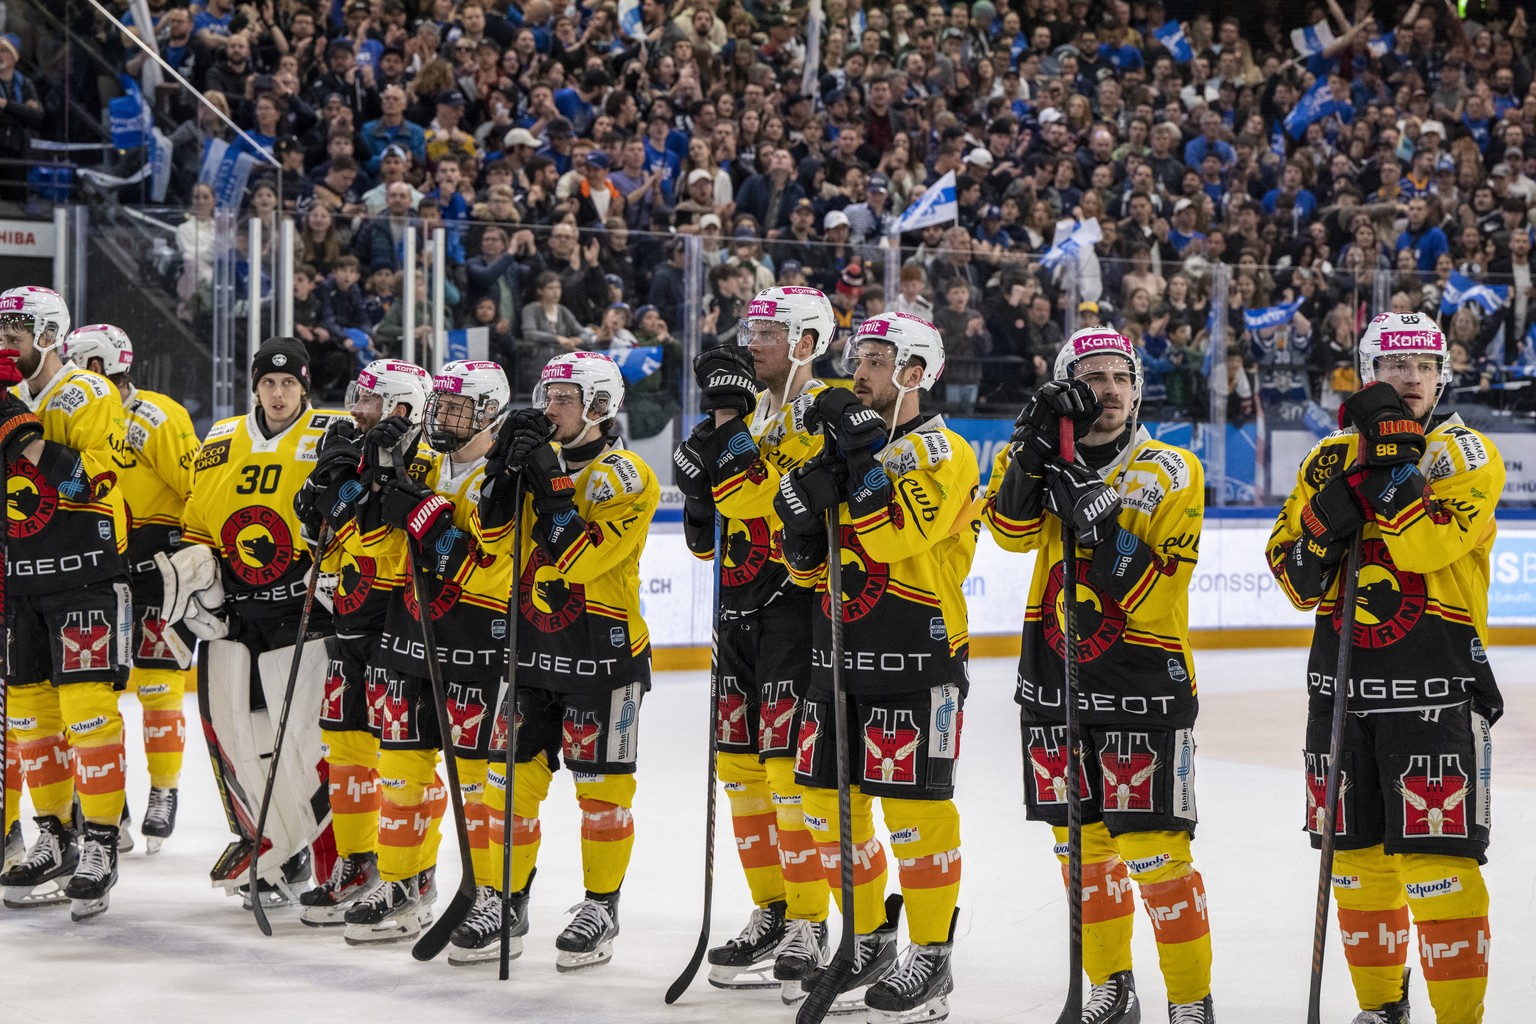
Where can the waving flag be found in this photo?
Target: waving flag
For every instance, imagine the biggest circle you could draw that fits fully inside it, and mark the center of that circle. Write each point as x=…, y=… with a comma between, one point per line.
x=1171, y=35
x=1072, y=237
x=1272, y=316
x=1460, y=290
x=1312, y=39
x=129, y=116
x=1317, y=104
x=629, y=19
x=936, y=206
x=1380, y=46
x=636, y=362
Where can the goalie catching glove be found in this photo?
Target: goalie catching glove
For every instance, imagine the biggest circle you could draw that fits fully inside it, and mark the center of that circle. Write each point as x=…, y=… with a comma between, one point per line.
x=194, y=591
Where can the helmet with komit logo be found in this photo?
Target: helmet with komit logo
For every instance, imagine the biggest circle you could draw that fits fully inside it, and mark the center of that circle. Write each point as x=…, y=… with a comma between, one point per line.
x=797, y=309
x=99, y=341
x=913, y=337
x=395, y=382
x=450, y=424
x=1390, y=334
x=1097, y=341
x=36, y=310
x=594, y=374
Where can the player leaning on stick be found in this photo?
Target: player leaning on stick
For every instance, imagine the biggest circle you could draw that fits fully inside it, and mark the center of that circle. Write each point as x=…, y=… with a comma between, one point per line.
x=67, y=602
x=1413, y=812
x=238, y=582
x=429, y=508
x=584, y=652
x=732, y=463
x=903, y=487
x=354, y=688
x=1136, y=505
x=154, y=472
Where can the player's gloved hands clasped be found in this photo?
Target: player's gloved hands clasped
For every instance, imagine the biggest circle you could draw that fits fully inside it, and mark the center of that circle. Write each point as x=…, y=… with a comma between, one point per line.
x=690, y=475
x=19, y=427
x=1039, y=422
x=522, y=432
x=806, y=493
x=826, y=412
x=10, y=373
x=727, y=379
x=1389, y=435
x=1079, y=497
x=417, y=509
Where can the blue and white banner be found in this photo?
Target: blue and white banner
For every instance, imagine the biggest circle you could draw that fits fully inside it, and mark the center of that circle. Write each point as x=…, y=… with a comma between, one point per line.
x=1171, y=35
x=629, y=19
x=812, y=73
x=936, y=206
x=636, y=362
x=1380, y=46
x=227, y=170
x=1312, y=39
x=130, y=117
x=1317, y=104
x=1272, y=316
x=1460, y=290
x=1072, y=237
x=468, y=343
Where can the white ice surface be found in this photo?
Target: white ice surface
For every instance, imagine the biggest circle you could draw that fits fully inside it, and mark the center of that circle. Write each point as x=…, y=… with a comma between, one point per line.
x=173, y=950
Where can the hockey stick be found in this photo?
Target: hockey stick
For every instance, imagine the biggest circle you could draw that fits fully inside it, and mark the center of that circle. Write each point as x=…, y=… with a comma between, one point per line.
x=1351, y=570
x=321, y=543
x=1072, y=1011
x=832, y=980
x=514, y=615
x=5, y=651
x=685, y=979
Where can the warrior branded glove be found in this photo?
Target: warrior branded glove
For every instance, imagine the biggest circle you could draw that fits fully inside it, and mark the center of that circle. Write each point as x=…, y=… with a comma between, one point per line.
x=1080, y=498
x=1333, y=515
x=825, y=413
x=1389, y=435
x=417, y=509
x=691, y=477
x=1039, y=422
x=523, y=431
x=726, y=378
x=388, y=437
x=809, y=491
x=10, y=373
x=1388, y=491
x=860, y=429
x=552, y=487
x=19, y=427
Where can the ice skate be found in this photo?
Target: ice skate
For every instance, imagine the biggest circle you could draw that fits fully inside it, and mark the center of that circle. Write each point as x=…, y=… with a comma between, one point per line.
x=803, y=950
x=286, y=890
x=1392, y=1013
x=1196, y=1013
x=125, y=831
x=426, y=894
x=95, y=874
x=1113, y=1002
x=159, y=818
x=387, y=914
x=38, y=879
x=478, y=939
x=747, y=961
x=917, y=988
x=353, y=877
x=588, y=940
x=873, y=955
x=15, y=846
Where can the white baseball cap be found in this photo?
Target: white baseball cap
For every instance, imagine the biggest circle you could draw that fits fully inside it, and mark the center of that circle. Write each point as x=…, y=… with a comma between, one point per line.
x=834, y=219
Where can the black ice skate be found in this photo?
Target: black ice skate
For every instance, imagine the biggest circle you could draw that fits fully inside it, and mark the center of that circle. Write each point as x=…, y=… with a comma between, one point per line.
x=918, y=987
x=588, y=940
x=1392, y=1013
x=96, y=872
x=286, y=889
x=1198, y=1013
x=15, y=846
x=37, y=880
x=387, y=914
x=125, y=831
x=1113, y=1002
x=478, y=939
x=159, y=818
x=803, y=950
x=873, y=955
x=747, y=960
x=353, y=877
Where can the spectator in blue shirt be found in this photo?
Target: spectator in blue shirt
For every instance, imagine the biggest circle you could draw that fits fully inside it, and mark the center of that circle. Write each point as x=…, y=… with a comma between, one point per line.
x=1425, y=239
x=576, y=104
x=1209, y=142
x=393, y=129
x=1183, y=232
x=1297, y=198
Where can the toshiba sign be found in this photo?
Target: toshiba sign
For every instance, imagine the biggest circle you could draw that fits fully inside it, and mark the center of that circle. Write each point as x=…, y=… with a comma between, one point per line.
x=27, y=238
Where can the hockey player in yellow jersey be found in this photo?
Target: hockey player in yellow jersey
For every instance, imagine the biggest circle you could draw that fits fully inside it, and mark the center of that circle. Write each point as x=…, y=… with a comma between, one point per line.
x=430, y=509
x=354, y=683
x=68, y=606
x=1136, y=505
x=903, y=487
x=731, y=464
x=1412, y=822
x=238, y=582
x=154, y=472
x=584, y=653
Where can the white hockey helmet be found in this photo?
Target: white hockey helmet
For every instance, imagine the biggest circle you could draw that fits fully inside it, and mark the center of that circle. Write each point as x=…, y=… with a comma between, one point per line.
x=797, y=309
x=1402, y=334
x=1098, y=341
x=598, y=378
x=450, y=425
x=913, y=337
x=99, y=341
x=36, y=309
x=395, y=382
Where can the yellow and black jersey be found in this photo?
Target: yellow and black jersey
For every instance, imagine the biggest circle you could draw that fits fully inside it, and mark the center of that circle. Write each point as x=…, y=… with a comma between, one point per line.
x=904, y=563
x=1132, y=591
x=154, y=471
x=745, y=459
x=1421, y=610
x=366, y=577
x=242, y=504
x=468, y=583
x=579, y=587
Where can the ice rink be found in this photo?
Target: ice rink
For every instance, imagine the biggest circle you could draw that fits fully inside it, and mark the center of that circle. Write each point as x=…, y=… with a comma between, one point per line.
x=173, y=950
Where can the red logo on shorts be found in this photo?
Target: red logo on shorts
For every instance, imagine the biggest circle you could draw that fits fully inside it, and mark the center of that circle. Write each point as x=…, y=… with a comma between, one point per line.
x=85, y=637
x=1048, y=760
x=1129, y=766
x=374, y=691
x=805, y=743
x=891, y=739
x=396, y=722
x=776, y=718
x=152, y=644
x=465, y=714
x=578, y=736
x=731, y=713
x=1434, y=791
x=335, y=683
x=1317, y=796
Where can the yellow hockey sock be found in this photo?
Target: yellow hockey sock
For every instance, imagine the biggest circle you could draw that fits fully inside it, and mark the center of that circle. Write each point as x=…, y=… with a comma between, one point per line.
x=607, y=829
x=1108, y=907
x=755, y=823
x=868, y=854
x=925, y=840
x=96, y=733
x=47, y=760
x=162, y=692
x=805, y=885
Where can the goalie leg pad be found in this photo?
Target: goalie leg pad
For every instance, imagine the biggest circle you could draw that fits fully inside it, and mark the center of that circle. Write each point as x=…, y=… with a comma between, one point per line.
x=301, y=793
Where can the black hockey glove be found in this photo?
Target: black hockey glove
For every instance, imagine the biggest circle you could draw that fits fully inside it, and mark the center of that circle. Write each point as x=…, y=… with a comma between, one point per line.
x=690, y=475
x=1078, y=496
x=825, y=412
x=806, y=493
x=340, y=432
x=389, y=436
x=727, y=379
x=415, y=508
x=19, y=427
x=1389, y=435
x=552, y=488
x=1333, y=515
x=1039, y=422
x=860, y=430
x=1388, y=490
x=523, y=431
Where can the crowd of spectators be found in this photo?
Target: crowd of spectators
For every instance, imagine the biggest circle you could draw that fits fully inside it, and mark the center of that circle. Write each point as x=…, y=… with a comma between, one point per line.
x=571, y=156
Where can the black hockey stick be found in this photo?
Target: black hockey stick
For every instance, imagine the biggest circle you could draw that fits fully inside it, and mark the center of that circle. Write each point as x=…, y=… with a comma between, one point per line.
x=514, y=616
x=321, y=543
x=1072, y=1011
x=436, y=937
x=685, y=979
x=1351, y=583
x=832, y=980
x=5, y=649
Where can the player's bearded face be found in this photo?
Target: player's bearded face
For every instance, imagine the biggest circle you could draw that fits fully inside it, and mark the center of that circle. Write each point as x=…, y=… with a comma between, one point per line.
x=16, y=332
x=1113, y=382
x=768, y=342
x=874, y=381
x=367, y=411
